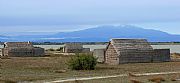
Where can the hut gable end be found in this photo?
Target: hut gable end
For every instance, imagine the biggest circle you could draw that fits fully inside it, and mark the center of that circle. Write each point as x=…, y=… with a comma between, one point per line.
x=111, y=55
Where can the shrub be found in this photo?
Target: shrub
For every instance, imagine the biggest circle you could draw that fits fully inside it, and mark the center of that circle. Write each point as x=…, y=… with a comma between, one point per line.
x=82, y=62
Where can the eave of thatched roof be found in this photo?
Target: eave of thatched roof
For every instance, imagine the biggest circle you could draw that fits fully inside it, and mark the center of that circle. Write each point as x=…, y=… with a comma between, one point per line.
x=129, y=45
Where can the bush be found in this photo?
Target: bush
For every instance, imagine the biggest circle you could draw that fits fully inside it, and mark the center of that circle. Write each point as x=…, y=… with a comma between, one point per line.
x=83, y=62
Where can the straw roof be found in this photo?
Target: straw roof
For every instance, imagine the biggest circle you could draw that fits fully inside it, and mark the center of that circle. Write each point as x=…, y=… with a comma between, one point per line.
x=131, y=45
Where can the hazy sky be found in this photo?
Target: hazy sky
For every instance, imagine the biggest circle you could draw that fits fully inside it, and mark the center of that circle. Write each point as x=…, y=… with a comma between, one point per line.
x=67, y=15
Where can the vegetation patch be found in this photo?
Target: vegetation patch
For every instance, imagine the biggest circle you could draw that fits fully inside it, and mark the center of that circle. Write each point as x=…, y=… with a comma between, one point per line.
x=83, y=62
x=175, y=55
x=20, y=69
x=157, y=79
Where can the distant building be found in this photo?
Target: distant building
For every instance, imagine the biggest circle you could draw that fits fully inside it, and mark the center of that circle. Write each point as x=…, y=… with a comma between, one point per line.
x=75, y=48
x=21, y=49
x=131, y=51
x=99, y=54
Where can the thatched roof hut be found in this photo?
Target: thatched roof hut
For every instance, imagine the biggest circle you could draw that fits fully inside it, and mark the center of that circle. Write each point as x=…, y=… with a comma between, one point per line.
x=21, y=49
x=18, y=45
x=73, y=48
x=128, y=51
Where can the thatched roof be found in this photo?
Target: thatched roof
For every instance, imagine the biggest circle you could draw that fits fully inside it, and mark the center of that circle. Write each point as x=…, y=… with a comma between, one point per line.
x=18, y=44
x=130, y=45
x=73, y=46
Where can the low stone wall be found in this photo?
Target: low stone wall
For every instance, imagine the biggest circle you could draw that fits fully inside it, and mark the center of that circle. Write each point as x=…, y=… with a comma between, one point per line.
x=18, y=52
x=73, y=50
x=86, y=50
x=161, y=55
x=23, y=52
x=136, y=56
x=39, y=52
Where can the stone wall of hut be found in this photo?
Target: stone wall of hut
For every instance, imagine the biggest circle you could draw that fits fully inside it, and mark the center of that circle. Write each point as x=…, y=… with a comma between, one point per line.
x=72, y=50
x=39, y=52
x=17, y=52
x=111, y=56
x=86, y=50
x=161, y=55
x=75, y=48
x=21, y=49
x=23, y=52
x=136, y=56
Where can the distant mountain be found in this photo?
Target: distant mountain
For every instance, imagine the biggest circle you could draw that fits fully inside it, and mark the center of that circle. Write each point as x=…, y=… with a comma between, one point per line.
x=4, y=38
x=101, y=34
x=104, y=33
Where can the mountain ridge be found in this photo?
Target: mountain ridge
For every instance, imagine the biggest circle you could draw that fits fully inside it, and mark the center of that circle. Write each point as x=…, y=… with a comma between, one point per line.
x=107, y=32
x=102, y=34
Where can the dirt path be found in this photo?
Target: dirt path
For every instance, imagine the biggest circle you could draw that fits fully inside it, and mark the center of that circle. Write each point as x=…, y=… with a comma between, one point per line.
x=103, y=77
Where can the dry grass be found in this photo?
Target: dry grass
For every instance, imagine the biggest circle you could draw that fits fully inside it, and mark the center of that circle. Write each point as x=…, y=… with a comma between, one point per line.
x=78, y=81
x=46, y=68
x=135, y=81
x=32, y=68
x=175, y=55
x=140, y=79
x=4, y=57
x=7, y=81
x=175, y=78
x=157, y=79
x=60, y=71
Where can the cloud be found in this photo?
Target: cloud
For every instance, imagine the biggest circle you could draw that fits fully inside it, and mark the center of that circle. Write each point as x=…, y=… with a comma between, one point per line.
x=31, y=15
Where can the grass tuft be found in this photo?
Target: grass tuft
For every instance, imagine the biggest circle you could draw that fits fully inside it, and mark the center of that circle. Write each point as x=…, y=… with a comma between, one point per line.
x=157, y=79
x=135, y=81
x=78, y=81
x=60, y=71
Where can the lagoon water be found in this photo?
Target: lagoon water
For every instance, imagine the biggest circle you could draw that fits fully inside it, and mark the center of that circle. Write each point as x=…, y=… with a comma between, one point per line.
x=173, y=48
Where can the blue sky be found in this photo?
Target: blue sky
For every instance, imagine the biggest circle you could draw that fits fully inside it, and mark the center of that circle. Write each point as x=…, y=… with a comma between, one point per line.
x=69, y=15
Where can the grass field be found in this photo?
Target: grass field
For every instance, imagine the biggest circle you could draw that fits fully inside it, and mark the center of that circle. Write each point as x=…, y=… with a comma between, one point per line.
x=16, y=69
x=141, y=79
